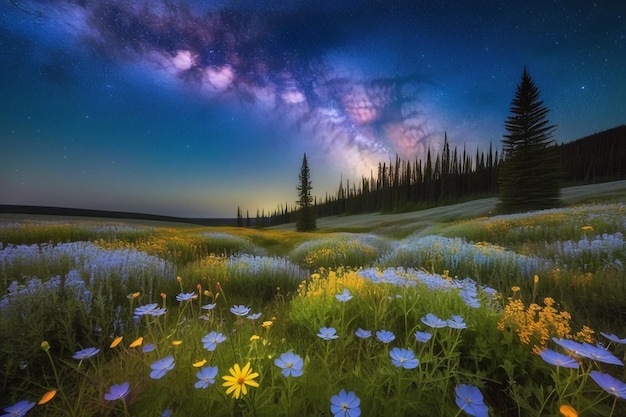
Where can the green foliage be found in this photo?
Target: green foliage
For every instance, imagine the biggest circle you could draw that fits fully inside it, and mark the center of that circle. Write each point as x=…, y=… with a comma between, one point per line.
x=530, y=176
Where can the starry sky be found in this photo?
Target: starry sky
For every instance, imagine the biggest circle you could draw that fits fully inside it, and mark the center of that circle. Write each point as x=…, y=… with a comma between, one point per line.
x=194, y=108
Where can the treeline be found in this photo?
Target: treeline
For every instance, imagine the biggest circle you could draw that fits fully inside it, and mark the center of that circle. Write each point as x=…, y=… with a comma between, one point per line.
x=452, y=176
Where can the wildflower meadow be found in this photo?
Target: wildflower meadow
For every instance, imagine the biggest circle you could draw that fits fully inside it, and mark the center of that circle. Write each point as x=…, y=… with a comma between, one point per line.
x=517, y=315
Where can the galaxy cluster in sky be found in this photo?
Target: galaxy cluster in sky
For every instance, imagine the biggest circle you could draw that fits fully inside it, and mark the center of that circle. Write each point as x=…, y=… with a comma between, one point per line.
x=193, y=108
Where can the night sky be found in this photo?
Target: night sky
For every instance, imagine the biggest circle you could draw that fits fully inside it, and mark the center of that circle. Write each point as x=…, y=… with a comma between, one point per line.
x=195, y=108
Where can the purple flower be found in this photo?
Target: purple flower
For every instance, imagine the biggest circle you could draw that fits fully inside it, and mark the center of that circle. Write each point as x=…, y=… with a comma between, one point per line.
x=344, y=296
x=188, y=296
x=433, y=321
x=290, y=363
x=470, y=400
x=117, y=392
x=423, y=337
x=385, y=336
x=363, y=334
x=611, y=385
x=86, y=353
x=558, y=359
x=345, y=404
x=161, y=367
x=149, y=310
x=254, y=316
x=206, y=376
x=213, y=339
x=18, y=409
x=167, y=413
x=614, y=338
x=403, y=358
x=150, y=347
x=240, y=310
x=328, y=333
x=209, y=306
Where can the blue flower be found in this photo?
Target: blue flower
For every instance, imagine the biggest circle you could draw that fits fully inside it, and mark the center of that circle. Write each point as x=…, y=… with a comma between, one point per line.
x=470, y=400
x=363, y=334
x=403, y=358
x=117, y=392
x=167, y=413
x=213, y=339
x=614, y=338
x=149, y=310
x=328, y=333
x=344, y=296
x=611, y=385
x=86, y=353
x=423, y=337
x=385, y=336
x=290, y=363
x=161, y=367
x=186, y=296
x=18, y=409
x=254, y=316
x=456, y=322
x=147, y=348
x=433, y=321
x=558, y=359
x=206, y=376
x=588, y=351
x=345, y=404
x=209, y=306
x=240, y=310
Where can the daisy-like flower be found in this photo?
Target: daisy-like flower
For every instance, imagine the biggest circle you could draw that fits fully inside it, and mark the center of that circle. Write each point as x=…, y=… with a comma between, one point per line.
x=423, y=337
x=328, y=333
x=611, y=385
x=254, y=316
x=149, y=310
x=433, y=321
x=213, y=339
x=161, y=367
x=385, y=336
x=186, y=296
x=403, y=358
x=117, y=392
x=18, y=409
x=267, y=324
x=470, y=400
x=206, y=376
x=345, y=404
x=344, y=296
x=240, y=310
x=86, y=353
x=290, y=363
x=363, y=334
x=239, y=379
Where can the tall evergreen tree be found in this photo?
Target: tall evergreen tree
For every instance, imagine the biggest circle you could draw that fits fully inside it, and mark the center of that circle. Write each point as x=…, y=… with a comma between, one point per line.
x=529, y=177
x=305, y=220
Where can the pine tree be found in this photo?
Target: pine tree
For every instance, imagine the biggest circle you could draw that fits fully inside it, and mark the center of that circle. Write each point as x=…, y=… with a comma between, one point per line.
x=529, y=177
x=305, y=220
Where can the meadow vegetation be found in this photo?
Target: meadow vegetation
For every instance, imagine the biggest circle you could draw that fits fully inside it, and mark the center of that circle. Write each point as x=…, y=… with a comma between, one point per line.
x=473, y=314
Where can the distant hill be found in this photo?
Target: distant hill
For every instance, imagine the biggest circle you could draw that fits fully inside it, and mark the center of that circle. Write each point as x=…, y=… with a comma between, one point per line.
x=66, y=211
x=596, y=158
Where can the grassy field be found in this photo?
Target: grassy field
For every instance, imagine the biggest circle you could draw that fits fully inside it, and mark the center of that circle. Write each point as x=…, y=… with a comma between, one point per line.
x=442, y=312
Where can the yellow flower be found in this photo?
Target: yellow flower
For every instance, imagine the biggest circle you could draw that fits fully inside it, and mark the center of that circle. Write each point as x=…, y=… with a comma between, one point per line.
x=45, y=345
x=267, y=324
x=254, y=337
x=536, y=279
x=587, y=228
x=47, y=396
x=134, y=295
x=515, y=288
x=238, y=379
x=116, y=341
x=137, y=342
x=568, y=411
x=177, y=342
x=199, y=364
